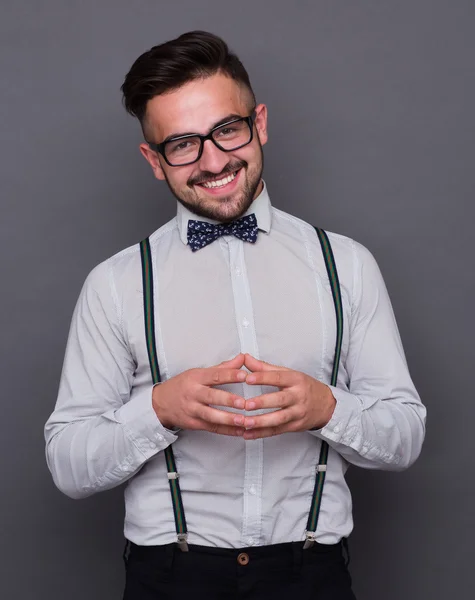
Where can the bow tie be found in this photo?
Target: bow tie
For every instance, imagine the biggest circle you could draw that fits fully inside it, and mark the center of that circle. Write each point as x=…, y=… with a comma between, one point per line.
x=200, y=233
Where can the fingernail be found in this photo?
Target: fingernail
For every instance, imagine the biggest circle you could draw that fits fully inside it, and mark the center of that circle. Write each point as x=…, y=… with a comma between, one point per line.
x=240, y=432
x=241, y=375
x=251, y=405
x=251, y=379
x=239, y=420
x=249, y=423
x=239, y=403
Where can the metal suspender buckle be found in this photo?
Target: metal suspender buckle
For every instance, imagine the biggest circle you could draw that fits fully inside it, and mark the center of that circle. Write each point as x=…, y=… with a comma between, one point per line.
x=321, y=468
x=183, y=542
x=173, y=475
x=309, y=539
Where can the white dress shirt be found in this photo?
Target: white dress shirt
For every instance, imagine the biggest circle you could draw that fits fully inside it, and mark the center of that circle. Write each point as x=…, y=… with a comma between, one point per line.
x=273, y=300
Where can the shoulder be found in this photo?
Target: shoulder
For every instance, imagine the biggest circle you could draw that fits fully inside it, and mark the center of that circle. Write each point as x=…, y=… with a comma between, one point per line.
x=346, y=250
x=355, y=264
x=123, y=268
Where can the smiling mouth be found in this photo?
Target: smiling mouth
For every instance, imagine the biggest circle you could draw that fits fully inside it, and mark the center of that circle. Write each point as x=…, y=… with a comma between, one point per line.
x=212, y=184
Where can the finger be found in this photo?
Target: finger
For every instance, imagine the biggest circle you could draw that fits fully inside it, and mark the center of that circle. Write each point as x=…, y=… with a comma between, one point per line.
x=253, y=364
x=269, y=420
x=264, y=432
x=210, y=395
x=219, y=376
x=278, y=378
x=198, y=425
x=279, y=399
x=216, y=416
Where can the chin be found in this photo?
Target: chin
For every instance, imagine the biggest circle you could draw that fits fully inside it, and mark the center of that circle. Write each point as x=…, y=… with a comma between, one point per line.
x=230, y=208
x=225, y=208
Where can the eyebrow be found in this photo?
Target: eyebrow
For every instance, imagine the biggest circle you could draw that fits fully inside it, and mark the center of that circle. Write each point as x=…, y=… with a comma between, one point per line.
x=222, y=121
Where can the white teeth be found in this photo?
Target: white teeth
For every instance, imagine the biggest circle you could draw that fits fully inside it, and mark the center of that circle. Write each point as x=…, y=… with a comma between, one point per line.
x=220, y=182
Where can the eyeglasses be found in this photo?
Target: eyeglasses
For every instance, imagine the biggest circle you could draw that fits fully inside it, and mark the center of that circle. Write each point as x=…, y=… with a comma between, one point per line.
x=187, y=149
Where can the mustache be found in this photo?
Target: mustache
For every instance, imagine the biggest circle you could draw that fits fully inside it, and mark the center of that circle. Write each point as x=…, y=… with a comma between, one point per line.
x=207, y=175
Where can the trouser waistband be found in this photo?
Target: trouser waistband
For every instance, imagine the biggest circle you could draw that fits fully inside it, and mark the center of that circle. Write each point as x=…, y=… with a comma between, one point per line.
x=286, y=552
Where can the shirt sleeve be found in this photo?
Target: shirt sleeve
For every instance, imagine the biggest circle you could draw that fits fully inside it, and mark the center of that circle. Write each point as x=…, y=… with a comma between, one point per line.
x=379, y=421
x=97, y=436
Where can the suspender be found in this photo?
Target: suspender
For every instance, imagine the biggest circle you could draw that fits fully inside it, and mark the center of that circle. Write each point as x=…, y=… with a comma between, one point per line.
x=147, y=279
x=321, y=468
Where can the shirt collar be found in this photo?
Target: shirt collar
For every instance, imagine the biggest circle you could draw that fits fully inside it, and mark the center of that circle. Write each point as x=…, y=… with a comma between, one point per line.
x=260, y=206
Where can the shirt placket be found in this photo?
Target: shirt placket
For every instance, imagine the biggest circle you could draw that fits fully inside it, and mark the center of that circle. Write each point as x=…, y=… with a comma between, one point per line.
x=252, y=484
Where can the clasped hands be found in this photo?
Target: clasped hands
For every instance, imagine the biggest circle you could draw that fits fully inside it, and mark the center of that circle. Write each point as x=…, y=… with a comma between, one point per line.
x=189, y=400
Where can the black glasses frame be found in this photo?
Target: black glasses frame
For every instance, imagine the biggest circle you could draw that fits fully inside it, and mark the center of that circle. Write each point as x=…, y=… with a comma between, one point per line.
x=161, y=147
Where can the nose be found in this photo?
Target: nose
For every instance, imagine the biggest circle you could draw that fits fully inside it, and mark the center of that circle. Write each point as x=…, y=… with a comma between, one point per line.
x=213, y=159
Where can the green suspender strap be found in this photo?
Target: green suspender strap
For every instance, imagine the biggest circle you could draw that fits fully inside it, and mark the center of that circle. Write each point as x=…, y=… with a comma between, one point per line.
x=322, y=461
x=147, y=279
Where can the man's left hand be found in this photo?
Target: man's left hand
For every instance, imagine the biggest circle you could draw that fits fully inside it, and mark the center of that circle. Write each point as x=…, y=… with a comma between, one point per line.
x=304, y=402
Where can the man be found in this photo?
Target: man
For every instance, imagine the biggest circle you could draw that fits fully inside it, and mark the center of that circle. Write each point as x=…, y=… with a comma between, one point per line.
x=230, y=367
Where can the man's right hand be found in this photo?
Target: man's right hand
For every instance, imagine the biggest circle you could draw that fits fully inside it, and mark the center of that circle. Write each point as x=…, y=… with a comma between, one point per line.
x=184, y=400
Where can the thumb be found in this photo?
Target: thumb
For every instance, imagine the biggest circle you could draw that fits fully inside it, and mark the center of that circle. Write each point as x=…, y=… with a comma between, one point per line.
x=233, y=363
x=253, y=364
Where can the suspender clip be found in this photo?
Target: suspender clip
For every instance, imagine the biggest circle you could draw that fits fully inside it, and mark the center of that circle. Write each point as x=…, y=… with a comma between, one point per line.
x=173, y=475
x=183, y=542
x=309, y=539
x=321, y=468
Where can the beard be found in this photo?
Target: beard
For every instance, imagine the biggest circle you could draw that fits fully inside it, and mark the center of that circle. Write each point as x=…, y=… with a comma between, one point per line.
x=227, y=208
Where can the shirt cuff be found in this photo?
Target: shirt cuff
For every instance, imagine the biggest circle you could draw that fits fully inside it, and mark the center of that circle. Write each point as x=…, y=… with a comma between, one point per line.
x=142, y=426
x=347, y=411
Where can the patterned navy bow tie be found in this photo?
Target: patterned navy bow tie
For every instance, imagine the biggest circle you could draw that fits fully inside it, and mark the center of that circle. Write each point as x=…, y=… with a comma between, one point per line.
x=200, y=233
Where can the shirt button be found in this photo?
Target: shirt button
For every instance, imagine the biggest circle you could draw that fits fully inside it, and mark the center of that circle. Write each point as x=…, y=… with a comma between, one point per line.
x=251, y=541
x=238, y=271
x=336, y=429
x=245, y=322
x=152, y=445
x=160, y=438
x=252, y=490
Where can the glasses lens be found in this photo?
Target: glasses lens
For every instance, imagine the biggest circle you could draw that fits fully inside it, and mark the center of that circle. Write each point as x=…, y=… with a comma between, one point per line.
x=233, y=135
x=180, y=152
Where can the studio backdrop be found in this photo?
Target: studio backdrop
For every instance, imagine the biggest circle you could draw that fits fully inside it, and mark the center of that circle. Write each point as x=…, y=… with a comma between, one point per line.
x=371, y=135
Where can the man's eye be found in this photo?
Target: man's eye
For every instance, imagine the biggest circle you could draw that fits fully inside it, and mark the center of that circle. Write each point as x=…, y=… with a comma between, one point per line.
x=181, y=146
x=227, y=131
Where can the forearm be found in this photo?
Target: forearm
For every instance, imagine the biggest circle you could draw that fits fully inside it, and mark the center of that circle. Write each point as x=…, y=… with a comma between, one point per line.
x=88, y=455
x=376, y=433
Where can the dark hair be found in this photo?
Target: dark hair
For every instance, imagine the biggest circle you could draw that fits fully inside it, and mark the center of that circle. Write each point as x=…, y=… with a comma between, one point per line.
x=164, y=68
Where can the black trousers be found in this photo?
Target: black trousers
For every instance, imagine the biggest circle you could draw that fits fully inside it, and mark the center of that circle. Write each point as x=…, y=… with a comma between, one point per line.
x=260, y=573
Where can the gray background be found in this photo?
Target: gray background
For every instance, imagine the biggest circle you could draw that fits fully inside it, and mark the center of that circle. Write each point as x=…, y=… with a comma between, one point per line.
x=371, y=135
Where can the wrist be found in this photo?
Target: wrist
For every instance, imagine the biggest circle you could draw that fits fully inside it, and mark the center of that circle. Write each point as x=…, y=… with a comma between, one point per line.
x=329, y=404
x=157, y=405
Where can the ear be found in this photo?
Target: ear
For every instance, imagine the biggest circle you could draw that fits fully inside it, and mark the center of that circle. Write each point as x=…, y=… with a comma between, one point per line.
x=261, y=122
x=153, y=158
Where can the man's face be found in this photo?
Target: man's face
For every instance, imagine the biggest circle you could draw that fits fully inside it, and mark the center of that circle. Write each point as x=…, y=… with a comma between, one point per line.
x=197, y=107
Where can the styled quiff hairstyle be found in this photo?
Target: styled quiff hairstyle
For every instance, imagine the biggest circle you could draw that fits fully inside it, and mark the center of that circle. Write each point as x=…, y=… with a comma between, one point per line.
x=165, y=68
